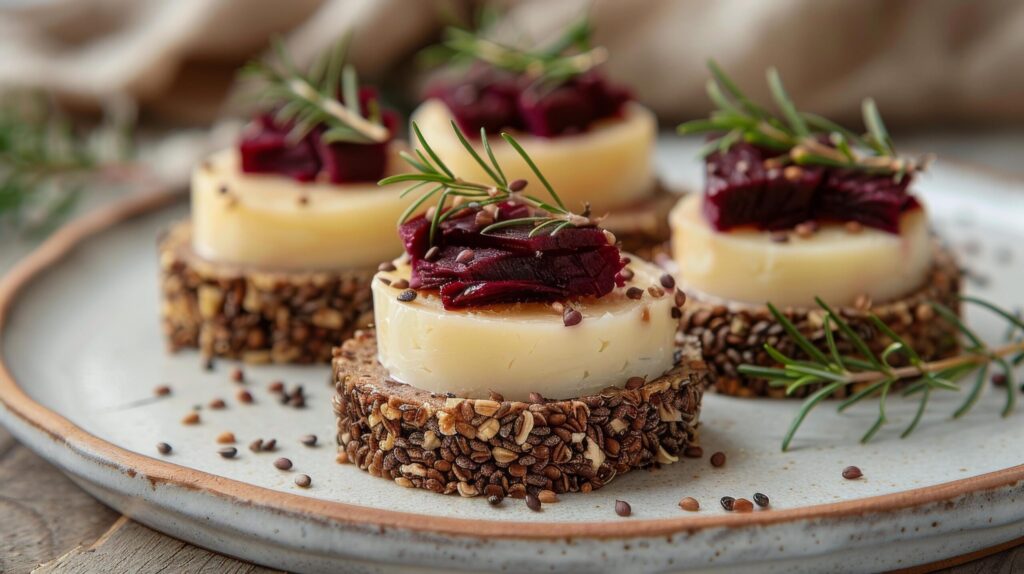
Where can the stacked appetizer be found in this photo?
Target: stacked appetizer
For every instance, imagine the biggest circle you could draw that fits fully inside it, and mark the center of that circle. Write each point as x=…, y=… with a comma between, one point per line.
x=592, y=141
x=516, y=349
x=799, y=212
x=287, y=227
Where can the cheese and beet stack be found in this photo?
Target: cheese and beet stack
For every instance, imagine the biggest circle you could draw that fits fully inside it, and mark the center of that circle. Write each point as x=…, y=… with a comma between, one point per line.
x=798, y=211
x=288, y=226
x=593, y=142
x=515, y=348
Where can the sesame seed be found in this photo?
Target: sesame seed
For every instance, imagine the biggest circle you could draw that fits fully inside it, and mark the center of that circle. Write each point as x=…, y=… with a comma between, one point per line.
x=162, y=391
x=282, y=464
x=627, y=274
x=303, y=481
x=163, y=448
x=999, y=379
x=693, y=451
x=634, y=293
x=727, y=503
x=407, y=296
x=689, y=504
x=245, y=397
x=547, y=496
x=226, y=438
x=431, y=253
x=386, y=266
x=656, y=291
x=217, y=404
x=517, y=185
x=238, y=375
x=532, y=502
x=400, y=284
x=494, y=500
x=276, y=387
x=668, y=281
x=718, y=459
x=761, y=500
x=308, y=440
x=852, y=473
x=622, y=508
x=609, y=237
x=854, y=226
x=270, y=445
x=191, y=418
x=680, y=298
x=256, y=445
x=228, y=452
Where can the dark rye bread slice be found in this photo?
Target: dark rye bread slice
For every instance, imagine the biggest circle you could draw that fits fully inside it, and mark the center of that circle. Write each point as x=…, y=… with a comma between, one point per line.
x=255, y=315
x=642, y=228
x=732, y=335
x=494, y=447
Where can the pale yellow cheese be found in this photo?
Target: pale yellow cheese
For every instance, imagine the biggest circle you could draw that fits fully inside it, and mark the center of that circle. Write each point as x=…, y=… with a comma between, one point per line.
x=273, y=221
x=522, y=348
x=610, y=165
x=746, y=266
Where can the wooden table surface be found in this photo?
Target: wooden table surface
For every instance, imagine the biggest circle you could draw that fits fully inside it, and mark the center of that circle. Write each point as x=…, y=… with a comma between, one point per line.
x=49, y=525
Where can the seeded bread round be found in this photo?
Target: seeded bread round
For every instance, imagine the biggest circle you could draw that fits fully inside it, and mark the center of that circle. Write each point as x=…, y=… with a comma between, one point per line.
x=258, y=316
x=494, y=447
x=642, y=229
x=732, y=335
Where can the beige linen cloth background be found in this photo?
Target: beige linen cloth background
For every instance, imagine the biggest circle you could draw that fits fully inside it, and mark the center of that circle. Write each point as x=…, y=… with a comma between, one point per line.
x=936, y=62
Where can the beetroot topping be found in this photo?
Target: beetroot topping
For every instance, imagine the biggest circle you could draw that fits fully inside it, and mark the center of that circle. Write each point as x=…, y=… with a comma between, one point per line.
x=741, y=190
x=266, y=148
x=470, y=268
x=497, y=100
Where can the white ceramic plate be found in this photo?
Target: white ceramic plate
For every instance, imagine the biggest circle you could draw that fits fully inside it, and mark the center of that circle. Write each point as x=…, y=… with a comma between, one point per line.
x=83, y=352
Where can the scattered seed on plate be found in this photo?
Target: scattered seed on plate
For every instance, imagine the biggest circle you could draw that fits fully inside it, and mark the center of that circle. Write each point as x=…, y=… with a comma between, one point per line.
x=532, y=502
x=238, y=375
x=282, y=464
x=217, y=404
x=852, y=472
x=622, y=508
x=163, y=448
x=308, y=440
x=276, y=387
x=228, y=452
x=494, y=500
x=999, y=379
x=208, y=364
x=689, y=504
x=693, y=451
x=728, y=502
x=191, y=418
x=162, y=391
x=547, y=496
x=761, y=500
x=226, y=438
x=718, y=459
x=742, y=505
x=256, y=445
x=303, y=481
x=342, y=457
x=571, y=317
x=270, y=445
x=245, y=397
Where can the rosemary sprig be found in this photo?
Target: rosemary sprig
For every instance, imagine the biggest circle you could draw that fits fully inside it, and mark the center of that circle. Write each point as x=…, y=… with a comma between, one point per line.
x=796, y=135
x=452, y=194
x=46, y=164
x=308, y=100
x=567, y=56
x=875, y=374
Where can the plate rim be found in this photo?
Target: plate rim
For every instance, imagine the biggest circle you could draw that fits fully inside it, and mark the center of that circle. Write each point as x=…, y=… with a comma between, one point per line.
x=146, y=468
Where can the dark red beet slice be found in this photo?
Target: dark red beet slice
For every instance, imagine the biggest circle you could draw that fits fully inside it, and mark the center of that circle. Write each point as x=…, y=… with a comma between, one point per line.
x=354, y=162
x=740, y=190
x=508, y=265
x=265, y=148
x=482, y=98
x=873, y=200
x=571, y=107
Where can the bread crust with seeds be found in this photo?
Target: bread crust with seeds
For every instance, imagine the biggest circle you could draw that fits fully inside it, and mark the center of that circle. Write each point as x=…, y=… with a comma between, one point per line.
x=494, y=447
x=732, y=335
x=258, y=316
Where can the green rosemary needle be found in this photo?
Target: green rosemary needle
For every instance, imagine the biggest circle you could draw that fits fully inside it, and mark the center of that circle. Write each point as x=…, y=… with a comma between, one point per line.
x=797, y=136
x=874, y=374
x=443, y=185
x=308, y=100
x=566, y=57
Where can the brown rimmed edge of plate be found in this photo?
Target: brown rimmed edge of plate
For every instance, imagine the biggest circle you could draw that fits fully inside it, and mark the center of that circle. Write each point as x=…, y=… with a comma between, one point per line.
x=154, y=471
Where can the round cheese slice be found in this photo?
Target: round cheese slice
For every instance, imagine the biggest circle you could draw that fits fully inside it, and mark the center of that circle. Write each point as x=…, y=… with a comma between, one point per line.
x=609, y=165
x=516, y=349
x=838, y=265
x=275, y=222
